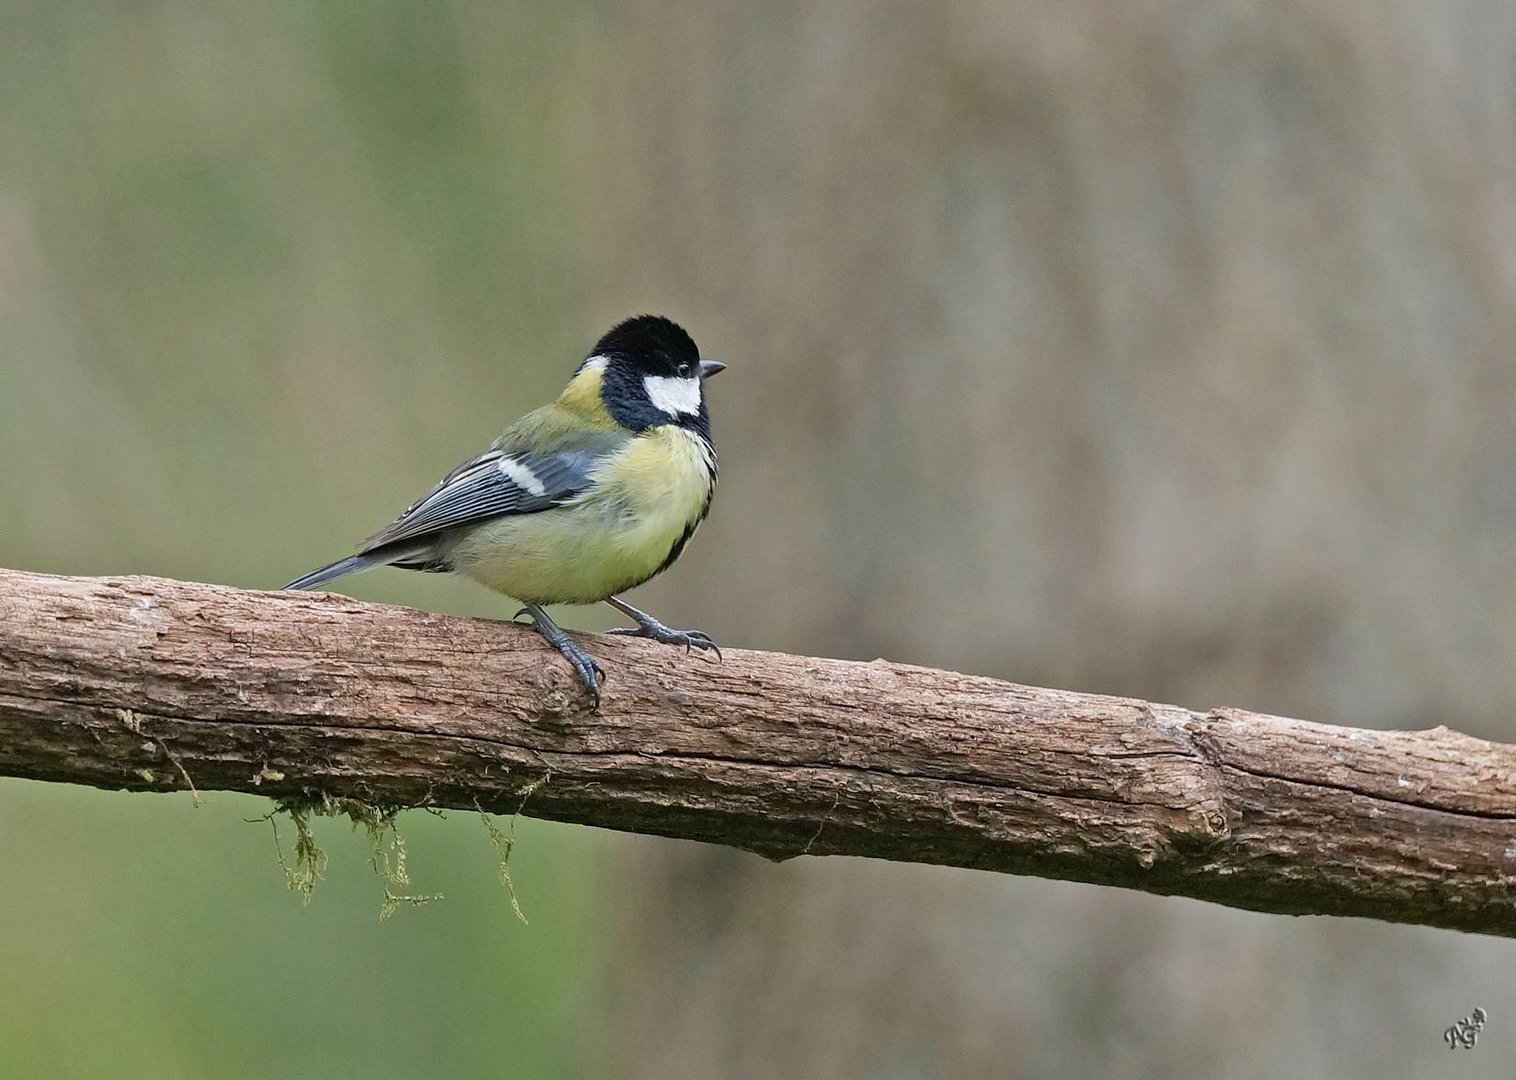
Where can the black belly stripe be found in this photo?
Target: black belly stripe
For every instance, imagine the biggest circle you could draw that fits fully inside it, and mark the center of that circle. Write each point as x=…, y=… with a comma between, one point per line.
x=689, y=530
x=678, y=548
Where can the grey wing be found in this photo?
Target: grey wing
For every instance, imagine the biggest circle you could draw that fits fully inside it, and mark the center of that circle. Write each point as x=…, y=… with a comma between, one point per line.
x=492, y=484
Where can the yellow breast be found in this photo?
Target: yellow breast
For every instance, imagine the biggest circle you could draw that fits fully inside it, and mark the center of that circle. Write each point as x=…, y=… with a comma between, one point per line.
x=643, y=504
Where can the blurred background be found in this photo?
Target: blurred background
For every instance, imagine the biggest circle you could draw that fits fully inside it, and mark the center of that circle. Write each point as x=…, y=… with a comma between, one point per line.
x=1145, y=348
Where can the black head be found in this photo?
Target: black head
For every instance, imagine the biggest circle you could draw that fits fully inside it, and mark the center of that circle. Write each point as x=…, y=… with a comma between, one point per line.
x=652, y=345
x=652, y=374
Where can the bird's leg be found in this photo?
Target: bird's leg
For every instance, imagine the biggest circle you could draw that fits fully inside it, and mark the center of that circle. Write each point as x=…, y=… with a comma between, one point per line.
x=649, y=627
x=589, y=672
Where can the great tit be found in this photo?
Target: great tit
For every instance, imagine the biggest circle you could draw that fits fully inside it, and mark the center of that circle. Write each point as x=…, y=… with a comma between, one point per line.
x=579, y=500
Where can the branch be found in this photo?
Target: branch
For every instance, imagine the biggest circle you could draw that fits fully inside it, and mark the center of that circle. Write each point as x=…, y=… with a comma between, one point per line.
x=146, y=683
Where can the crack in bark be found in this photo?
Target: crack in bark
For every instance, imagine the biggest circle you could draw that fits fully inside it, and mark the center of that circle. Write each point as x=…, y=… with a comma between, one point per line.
x=1482, y=815
x=684, y=757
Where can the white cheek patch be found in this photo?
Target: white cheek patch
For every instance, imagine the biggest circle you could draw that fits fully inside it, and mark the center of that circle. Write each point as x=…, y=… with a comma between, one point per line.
x=673, y=395
x=522, y=476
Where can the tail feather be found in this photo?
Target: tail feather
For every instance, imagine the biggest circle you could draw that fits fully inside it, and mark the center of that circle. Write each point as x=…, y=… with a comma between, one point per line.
x=341, y=568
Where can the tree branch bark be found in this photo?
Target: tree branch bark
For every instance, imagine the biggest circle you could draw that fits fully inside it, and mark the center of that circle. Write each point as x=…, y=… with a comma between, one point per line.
x=145, y=683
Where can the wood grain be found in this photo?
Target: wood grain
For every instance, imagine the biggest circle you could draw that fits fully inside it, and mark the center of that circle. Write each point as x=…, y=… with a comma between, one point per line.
x=136, y=682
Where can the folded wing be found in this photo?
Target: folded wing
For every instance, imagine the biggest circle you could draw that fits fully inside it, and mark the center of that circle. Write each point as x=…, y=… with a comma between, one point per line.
x=492, y=484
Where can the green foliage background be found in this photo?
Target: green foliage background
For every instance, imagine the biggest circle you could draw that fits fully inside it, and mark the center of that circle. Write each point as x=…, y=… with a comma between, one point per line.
x=265, y=272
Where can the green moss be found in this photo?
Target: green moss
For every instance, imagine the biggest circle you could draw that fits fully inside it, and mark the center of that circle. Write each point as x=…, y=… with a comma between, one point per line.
x=388, y=852
x=310, y=860
x=394, y=900
x=388, y=856
x=133, y=723
x=502, y=841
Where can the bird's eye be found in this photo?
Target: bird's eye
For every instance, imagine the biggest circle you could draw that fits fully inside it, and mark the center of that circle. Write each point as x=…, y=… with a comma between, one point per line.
x=684, y=371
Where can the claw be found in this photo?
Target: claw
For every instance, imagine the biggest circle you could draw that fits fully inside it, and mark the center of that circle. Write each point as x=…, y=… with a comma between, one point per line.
x=590, y=673
x=649, y=627
x=656, y=631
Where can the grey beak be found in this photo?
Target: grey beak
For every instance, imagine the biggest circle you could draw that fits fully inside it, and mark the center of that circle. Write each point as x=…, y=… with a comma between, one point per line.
x=711, y=367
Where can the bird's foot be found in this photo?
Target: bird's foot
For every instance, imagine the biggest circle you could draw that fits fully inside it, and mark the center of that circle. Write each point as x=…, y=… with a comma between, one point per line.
x=649, y=627
x=591, y=674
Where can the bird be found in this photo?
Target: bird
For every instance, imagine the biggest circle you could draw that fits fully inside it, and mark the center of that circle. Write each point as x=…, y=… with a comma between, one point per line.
x=578, y=501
